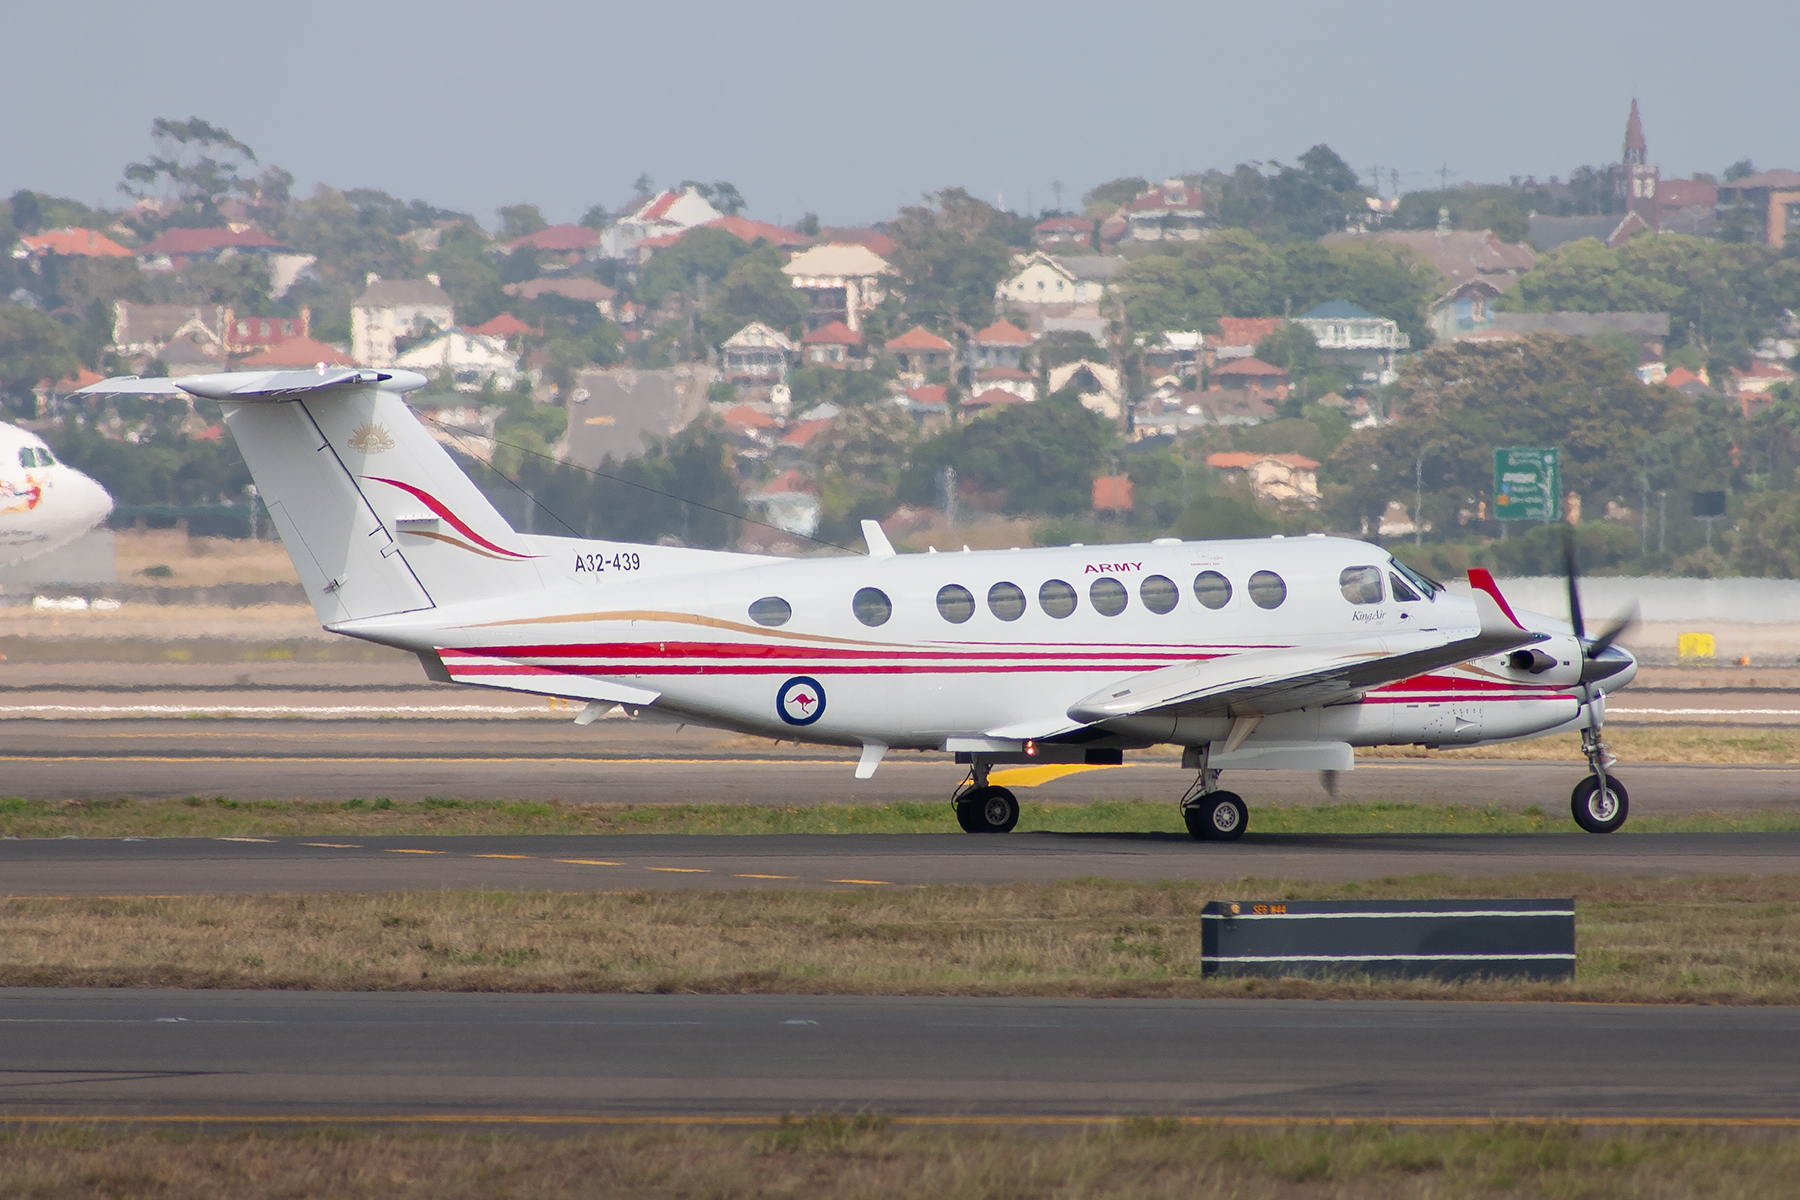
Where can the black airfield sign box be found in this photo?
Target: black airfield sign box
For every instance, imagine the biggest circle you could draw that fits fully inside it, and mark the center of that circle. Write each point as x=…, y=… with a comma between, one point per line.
x=1411, y=939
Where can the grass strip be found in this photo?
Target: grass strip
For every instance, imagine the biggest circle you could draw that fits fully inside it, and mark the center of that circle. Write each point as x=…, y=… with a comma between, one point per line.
x=1713, y=940
x=869, y=1157
x=222, y=816
x=1731, y=745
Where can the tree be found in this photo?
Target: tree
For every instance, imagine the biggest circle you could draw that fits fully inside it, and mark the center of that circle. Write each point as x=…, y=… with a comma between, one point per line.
x=702, y=251
x=1042, y=457
x=1738, y=170
x=32, y=347
x=1115, y=192
x=755, y=290
x=1454, y=404
x=1505, y=210
x=240, y=282
x=196, y=163
x=951, y=254
x=519, y=220
x=721, y=195
x=1287, y=203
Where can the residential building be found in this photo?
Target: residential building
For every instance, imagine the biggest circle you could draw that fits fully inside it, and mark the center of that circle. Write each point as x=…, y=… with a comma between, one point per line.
x=919, y=351
x=1290, y=480
x=1100, y=387
x=1171, y=210
x=465, y=359
x=615, y=412
x=1177, y=352
x=144, y=330
x=841, y=281
x=873, y=239
x=751, y=232
x=1251, y=375
x=578, y=288
x=563, y=243
x=69, y=243
x=251, y=334
x=1465, y=308
x=174, y=249
x=1547, y=233
x=790, y=502
x=1112, y=493
x=1043, y=279
x=653, y=217
x=1019, y=382
x=1770, y=199
x=992, y=398
x=506, y=327
x=756, y=356
x=1001, y=344
x=1650, y=329
x=1458, y=255
x=391, y=309
x=1238, y=337
x=296, y=353
x=1353, y=337
x=1063, y=233
x=833, y=345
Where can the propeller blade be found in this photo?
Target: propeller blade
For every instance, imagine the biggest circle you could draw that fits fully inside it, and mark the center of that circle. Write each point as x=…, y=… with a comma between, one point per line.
x=1620, y=624
x=1571, y=573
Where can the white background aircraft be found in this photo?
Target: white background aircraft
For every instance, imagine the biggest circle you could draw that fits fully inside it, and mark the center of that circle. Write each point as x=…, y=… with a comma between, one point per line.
x=43, y=503
x=1273, y=653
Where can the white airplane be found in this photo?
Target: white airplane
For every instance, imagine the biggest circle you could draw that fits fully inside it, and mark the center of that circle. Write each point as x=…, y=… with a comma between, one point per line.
x=1274, y=653
x=43, y=503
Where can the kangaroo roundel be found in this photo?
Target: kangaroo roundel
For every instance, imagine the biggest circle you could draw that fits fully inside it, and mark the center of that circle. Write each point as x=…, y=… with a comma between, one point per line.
x=801, y=700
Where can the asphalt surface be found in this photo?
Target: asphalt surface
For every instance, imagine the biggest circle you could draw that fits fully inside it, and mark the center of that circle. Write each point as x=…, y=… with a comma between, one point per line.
x=71, y=1052
x=255, y=866
x=629, y=762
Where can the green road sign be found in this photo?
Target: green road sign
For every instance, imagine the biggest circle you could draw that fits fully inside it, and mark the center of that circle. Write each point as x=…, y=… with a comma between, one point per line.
x=1527, y=483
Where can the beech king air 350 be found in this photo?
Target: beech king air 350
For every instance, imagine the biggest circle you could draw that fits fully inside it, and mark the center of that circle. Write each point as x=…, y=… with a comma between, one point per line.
x=43, y=503
x=1277, y=653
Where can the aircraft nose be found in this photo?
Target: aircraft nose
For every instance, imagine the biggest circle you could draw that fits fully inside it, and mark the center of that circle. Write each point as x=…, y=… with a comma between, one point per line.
x=1614, y=667
x=89, y=501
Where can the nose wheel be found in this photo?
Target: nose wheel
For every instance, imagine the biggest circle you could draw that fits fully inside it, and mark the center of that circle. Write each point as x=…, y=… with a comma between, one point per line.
x=1600, y=803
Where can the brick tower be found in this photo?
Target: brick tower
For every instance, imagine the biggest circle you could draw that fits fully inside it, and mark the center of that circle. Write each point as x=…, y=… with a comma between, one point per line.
x=1640, y=177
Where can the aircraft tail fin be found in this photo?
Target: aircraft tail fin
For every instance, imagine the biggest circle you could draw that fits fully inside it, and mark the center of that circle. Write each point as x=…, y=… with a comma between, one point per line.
x=375, y=514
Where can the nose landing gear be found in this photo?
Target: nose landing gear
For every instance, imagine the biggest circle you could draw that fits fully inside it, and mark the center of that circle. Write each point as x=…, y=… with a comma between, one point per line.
x=1599, y=803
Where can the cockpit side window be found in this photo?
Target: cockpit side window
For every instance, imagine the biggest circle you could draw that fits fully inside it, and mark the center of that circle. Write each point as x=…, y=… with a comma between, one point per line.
x=1360, y=585
x=1428, y=588
x=1402, y=592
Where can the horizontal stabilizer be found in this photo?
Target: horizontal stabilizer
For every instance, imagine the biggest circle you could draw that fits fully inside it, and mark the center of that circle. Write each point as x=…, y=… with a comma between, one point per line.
x=256, y=385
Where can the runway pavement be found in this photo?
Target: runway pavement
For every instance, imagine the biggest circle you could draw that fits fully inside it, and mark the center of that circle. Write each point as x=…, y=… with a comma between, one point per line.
x=149, y=1053
x=628, y=762
x=170, y=866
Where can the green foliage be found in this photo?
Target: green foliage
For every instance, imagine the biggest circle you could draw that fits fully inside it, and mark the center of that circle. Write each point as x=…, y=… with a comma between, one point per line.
x=532, y=429
x=721, y=195
x=1234, y=274
x=519, y=220
x=1041, y=457
x=1505, y=210
x=1287, y=203
x=196, y=162
x=951, y=254
x=164, y=466
x=1721, y=298
x=1111, y=194
x=32, y=347
x=698, y=252
x=755, y=290
x=1063, y=346
x=241, y=282
x=1453, y=405
x=1225, y=517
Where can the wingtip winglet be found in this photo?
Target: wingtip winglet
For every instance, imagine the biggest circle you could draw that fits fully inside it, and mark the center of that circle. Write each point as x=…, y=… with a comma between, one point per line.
x=1483, y=584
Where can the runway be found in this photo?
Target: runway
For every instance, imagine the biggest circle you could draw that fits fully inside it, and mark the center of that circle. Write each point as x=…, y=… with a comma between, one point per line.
x=628, y=762
x=634, y=862
x=152, y=1053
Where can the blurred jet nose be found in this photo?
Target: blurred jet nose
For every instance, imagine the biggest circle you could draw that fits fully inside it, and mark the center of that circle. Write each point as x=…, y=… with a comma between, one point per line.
x=84, y=503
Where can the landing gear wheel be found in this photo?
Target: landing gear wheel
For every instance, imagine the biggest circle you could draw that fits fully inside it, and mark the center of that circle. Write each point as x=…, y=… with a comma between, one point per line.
x=1599, y=811
x=1217, y=817
x=988, y=810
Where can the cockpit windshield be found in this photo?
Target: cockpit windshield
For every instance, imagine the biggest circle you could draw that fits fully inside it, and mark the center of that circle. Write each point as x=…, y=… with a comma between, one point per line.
x=1428, y=587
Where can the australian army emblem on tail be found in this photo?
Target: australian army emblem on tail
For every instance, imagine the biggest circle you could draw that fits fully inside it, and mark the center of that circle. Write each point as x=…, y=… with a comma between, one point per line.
x=370, y=438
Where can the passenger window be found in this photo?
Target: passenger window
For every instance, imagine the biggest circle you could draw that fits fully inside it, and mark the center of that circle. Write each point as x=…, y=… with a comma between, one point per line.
x=1006, y=601
x=1057, y=598
x=1108, y=596
x=1360, y=585
x=1212, y=589
x=955, y=603
x=1402, y=593
x=871, y=606
x=1159, y=593
x=770, y=611
x=1267, y=589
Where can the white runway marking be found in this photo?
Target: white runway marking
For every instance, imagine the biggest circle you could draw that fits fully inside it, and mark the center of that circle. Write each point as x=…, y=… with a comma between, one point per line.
x=270, y=710
x=1701, y=712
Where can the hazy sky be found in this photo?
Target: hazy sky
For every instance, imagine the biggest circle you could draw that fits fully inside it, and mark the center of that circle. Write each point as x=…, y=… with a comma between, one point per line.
x=850, y=110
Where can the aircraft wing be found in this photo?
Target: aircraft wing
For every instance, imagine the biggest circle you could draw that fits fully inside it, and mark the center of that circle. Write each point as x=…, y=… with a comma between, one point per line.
x=1261, y=682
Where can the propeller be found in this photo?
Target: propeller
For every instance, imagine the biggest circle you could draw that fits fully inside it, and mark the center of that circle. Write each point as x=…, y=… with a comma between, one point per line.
x=1592, y=668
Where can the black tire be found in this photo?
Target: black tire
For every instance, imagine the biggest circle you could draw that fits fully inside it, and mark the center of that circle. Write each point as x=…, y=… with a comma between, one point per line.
x=1592, y=810
x=1217, y=817
x=988, y=810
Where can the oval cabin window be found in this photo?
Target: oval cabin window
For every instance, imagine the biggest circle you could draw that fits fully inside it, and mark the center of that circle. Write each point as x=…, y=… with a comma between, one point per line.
x=771, y=611
x=1006, y=601
x=1159, y=593
x=1212, y=589
x=1267, y=589
x=871, y=606
x=1360, y=585
x=1108, y=596
x=955, y=604
x=1057, y=598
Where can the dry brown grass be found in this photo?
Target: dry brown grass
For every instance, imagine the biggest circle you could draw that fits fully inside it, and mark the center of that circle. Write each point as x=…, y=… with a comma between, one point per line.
x=1728, y=744
x=198, y=561
x=1717, y=940
x=1142, y=1160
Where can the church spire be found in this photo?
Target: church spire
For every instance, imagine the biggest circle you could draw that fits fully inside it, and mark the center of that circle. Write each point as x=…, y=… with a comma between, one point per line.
x=1636, y=152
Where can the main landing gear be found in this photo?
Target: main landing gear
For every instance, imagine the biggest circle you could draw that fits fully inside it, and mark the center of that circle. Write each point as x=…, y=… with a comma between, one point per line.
x=982, y=807
x=1211, y=814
